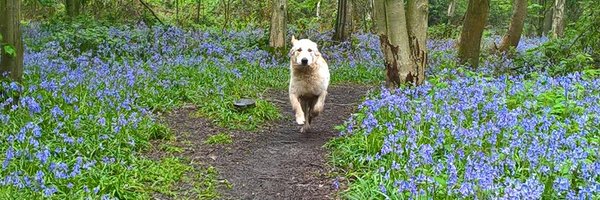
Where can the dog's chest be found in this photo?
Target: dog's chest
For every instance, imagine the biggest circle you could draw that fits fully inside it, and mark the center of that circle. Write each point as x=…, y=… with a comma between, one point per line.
x=307, y=83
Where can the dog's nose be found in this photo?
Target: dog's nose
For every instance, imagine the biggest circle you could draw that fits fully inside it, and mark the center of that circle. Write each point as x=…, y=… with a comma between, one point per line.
x=304, y=61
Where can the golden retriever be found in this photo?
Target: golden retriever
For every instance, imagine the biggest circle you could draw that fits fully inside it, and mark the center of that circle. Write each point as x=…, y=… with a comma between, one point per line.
x=309, y=79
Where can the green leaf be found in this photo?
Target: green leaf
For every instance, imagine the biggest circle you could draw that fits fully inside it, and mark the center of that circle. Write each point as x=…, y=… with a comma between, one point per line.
x=565, y=168
x=10, y=50
x=440, y=180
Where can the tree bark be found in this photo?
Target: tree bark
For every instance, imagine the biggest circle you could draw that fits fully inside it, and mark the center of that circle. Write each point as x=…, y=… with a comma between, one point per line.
x=278, y=30
x=10, y=29
x=418, y=15
x=512, y=37
x=343, y=22
x=404, y=60
x=469, y=45
x=558, y=27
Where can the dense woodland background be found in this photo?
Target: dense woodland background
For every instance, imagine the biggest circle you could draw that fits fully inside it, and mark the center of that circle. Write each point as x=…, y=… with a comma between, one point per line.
x=572, y=29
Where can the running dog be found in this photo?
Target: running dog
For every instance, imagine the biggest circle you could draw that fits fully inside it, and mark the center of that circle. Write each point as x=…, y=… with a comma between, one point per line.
x=309, y=79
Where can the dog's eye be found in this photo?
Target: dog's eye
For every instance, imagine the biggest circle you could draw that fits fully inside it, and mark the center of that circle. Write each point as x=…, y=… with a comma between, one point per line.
x=300, y=49
x=309, y=50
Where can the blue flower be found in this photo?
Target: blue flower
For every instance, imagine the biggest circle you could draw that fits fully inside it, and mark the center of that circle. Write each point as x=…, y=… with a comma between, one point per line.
x=31, y=104
x=43, y=155
x=561, y=184
x=9, y=156
x=56, y=112
x=49, y=191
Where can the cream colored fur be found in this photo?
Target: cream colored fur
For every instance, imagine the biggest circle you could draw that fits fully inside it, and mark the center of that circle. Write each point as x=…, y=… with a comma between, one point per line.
x=308, y=81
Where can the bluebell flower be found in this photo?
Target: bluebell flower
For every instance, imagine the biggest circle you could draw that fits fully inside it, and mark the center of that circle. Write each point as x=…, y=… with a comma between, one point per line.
x=31, y=104
x=9, y=156
x=561, y=184
x=49, y=191
x=105, y=197
x=43, y=155
x=56, y=112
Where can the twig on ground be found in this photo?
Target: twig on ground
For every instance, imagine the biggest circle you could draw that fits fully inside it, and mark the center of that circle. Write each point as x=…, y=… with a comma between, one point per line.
x=344, y=104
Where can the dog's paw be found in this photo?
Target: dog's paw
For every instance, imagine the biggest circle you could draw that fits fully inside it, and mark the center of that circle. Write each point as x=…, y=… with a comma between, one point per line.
x=300, y=120
x=314, y=113
x=305, y=128
x=318, y=108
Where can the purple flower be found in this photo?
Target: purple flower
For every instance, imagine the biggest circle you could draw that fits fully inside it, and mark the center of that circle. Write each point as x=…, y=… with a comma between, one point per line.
x=31, y=104
x=382, y=189
x=43, y=155
x=56, y=112
x=561, y=184
x=9, y=156
x=49, y=191
x=336, y=184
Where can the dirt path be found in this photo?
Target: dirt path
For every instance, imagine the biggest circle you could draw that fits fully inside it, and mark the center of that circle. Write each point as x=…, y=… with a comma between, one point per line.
x=276, y=162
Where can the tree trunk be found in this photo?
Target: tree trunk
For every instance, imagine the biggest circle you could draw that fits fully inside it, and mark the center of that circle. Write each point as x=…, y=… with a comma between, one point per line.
x=418, y=15
x=278, y=25
x=177, y=12
x=469, y=45
x=319, y=9
x=72, y=7
x=451, y=11
x=512, y=37
x=226, y=6
x=547, y=22
x=343, y=22
x=198, y=6
x=558, y=27
x=10, y=30
x=404, y=61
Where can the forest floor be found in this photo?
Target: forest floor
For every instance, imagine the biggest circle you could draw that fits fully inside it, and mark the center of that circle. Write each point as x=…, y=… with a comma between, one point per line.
x=274, y=162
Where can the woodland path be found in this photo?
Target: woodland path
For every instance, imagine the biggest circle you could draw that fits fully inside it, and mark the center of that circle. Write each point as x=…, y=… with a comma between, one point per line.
x=276, y=161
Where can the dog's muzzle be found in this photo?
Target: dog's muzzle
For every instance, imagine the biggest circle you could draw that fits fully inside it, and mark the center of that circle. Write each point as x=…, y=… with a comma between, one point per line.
x=304, y=61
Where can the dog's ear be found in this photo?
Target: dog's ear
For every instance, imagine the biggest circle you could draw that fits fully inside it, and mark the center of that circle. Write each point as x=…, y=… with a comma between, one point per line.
x=294, y=40
x=292, y=50
x=317, y=52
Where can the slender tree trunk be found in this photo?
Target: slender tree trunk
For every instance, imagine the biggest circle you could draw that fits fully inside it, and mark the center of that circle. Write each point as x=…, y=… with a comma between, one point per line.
x=512, y=37
x=198, y=7
x=72, y=7
x=558, y=27
x=343, y=22
x=469, y=45
x=177, y=11
x=10, y=30
x=451, y=11
x=547, y=21
x=226, y=5
x=278, y=28
x=404, y=61
x=319, y=9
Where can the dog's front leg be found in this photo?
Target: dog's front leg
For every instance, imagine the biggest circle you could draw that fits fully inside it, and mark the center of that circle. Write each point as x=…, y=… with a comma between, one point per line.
x=320, y=105
x=297, y=109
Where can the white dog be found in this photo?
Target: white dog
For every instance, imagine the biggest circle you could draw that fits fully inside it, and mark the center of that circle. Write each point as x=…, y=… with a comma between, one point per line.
x=309, y=79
